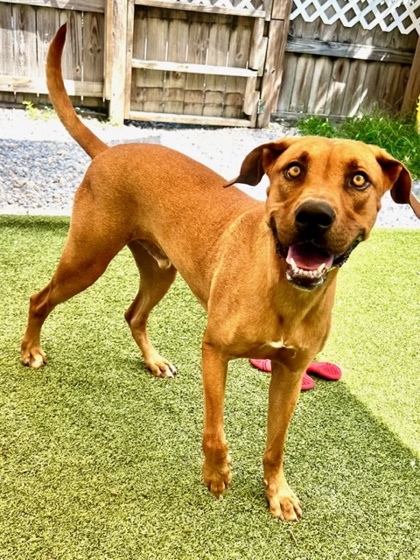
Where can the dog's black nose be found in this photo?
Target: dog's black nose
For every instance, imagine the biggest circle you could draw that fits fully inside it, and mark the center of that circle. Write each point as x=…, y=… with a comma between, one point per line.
x=314, y=214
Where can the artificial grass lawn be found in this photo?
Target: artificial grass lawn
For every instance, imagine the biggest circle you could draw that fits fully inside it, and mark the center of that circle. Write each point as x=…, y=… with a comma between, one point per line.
x=101, y=460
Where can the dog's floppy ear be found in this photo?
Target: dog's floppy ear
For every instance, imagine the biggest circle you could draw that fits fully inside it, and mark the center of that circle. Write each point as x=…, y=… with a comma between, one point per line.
x=400, y=180
x=256, y=163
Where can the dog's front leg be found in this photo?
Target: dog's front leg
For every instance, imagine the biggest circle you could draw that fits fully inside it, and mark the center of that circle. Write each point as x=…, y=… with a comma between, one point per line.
x=283, y=396
x=216, y=467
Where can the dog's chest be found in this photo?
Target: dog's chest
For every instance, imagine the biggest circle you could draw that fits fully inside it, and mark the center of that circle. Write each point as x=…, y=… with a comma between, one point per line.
x=280, y=348
x=279, y=344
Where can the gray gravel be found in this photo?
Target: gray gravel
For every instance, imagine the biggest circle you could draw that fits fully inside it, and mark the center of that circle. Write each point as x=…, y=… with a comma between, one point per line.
x=41, y=166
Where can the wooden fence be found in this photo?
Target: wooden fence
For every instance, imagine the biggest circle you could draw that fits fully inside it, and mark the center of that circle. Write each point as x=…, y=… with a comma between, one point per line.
x=26, y=29
x=356, y=58
x=210, y=62
x=217, y=62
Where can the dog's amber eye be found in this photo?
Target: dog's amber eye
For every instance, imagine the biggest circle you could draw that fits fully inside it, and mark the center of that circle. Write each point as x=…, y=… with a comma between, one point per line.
x=359, y=180
x=293, y=171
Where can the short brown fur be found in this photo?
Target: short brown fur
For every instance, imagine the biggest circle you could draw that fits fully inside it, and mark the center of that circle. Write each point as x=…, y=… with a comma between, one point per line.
x=175, y=215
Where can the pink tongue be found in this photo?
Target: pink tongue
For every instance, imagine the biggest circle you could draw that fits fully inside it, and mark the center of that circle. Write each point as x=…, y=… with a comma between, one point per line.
x=308, y=258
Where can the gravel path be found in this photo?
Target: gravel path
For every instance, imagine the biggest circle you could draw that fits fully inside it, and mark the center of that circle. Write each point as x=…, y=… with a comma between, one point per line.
x=41, y=166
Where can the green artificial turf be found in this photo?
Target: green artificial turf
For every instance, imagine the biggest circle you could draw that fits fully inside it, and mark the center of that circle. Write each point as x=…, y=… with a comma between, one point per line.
x=99, y=460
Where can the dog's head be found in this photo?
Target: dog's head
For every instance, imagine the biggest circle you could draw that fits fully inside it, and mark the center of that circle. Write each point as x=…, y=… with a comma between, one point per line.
x=323, y=199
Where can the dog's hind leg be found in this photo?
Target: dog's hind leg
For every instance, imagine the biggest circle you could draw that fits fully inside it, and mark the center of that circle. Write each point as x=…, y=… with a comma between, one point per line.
x=85, y=258
x=156, y=276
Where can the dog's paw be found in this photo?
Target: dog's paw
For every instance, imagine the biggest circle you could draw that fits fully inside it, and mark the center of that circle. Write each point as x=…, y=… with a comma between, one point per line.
x=217, y=479
x=160, y=367
x=34, y=358
x=284, y=504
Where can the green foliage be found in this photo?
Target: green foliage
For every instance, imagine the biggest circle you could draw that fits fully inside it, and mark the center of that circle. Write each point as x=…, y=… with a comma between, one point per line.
x=395, y=135
x=418, y=116
x=99, y=460
x=37, y=113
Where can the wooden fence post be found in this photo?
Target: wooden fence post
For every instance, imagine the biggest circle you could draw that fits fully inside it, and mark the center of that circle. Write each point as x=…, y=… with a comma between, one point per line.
x=273, y=71
x=115, y=58
x=412, y=91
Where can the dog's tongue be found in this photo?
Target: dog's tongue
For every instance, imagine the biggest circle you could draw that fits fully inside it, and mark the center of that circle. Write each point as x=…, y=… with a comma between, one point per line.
x=308, y=257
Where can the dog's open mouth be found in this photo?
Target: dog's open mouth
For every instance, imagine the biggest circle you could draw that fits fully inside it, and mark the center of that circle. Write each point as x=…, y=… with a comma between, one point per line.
x=308, y=265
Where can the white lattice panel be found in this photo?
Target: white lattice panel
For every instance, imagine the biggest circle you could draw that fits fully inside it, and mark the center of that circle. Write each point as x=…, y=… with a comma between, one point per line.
x=388, y=14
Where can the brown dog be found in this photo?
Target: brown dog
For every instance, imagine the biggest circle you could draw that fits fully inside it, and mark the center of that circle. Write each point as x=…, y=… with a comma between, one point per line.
x=265, y=273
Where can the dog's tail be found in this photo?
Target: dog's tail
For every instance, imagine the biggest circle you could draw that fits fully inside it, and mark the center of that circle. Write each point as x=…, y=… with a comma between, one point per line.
x=61, y=101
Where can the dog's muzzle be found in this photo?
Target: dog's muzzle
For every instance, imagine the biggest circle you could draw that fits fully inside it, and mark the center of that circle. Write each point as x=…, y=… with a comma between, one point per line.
x=309, y=260
x=309, y=265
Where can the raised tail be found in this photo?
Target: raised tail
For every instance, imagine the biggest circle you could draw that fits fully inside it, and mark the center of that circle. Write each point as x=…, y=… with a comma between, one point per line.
x=61, y=101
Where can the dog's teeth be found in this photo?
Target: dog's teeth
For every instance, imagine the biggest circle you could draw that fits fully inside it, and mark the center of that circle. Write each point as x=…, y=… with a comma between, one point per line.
x=294, y=272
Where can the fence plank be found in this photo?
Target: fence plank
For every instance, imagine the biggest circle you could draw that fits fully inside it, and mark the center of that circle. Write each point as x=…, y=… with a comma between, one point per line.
x=48, y=21
x=129, y=57
x=197, y=39
x=316, y=47
x=175, y=81
x=238, y=57
x=153, y=91
x=234, y=97
x=137, y=90
x=354, y=93
x=81, y=5
x=273, y=69
x=29, y=85
x=215, y=85
x=370, y=88
x=302, y=84
x=188, y=119
x=174, y=92
x=140, y=34
x=194, y=68
x=258, y=47
x=318, y=94
x=289, y=68
x=194, y=94
x=116, y=33
x=412, y=91
x=157, y=33
x=93, y=40
x=337, y=89
x=25, y=62
x=72, y=55
x=6, y=40
x=202, y=9
x=251, y=98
